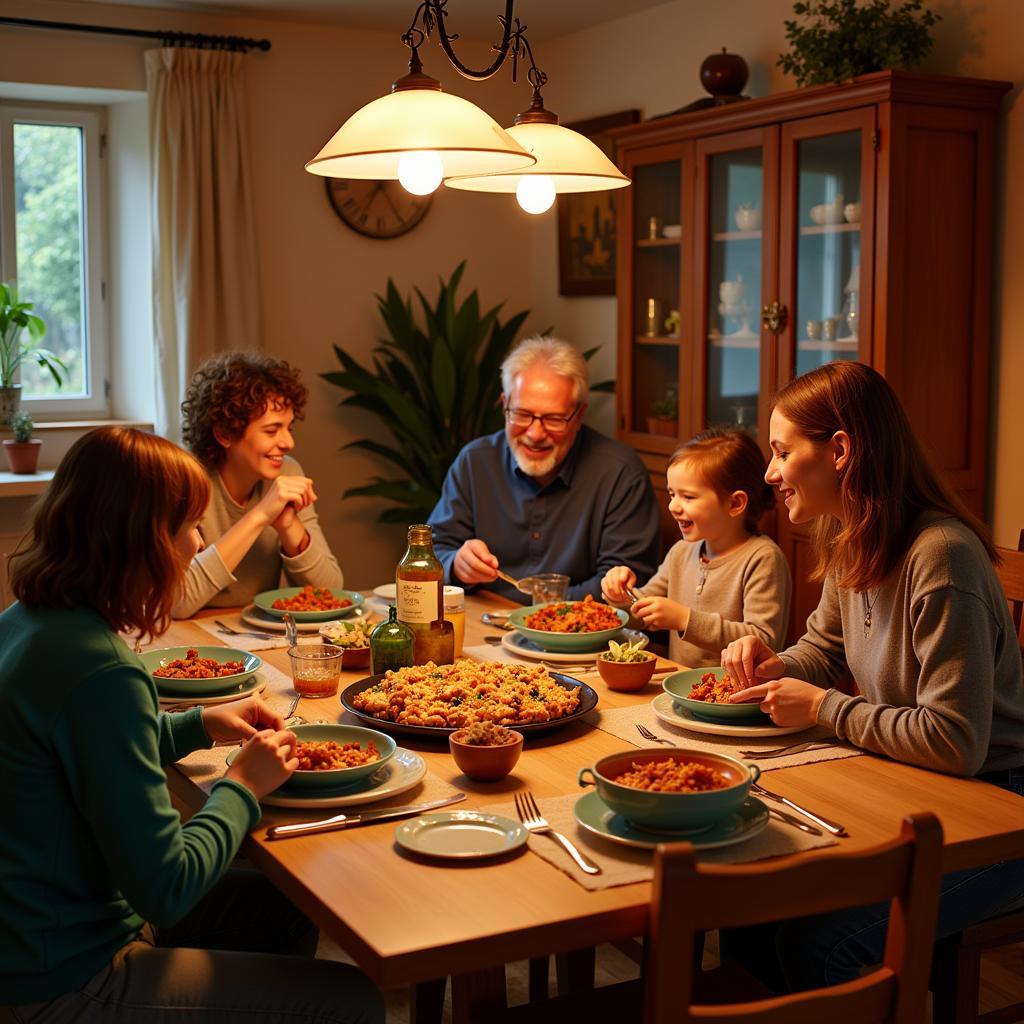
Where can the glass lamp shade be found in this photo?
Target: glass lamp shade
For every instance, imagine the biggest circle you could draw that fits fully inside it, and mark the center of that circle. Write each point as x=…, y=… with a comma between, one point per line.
x=374, y=139
x=570, y=160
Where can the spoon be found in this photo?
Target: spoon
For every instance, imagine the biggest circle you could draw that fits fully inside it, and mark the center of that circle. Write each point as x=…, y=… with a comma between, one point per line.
x=524, y=585
x=291, y=630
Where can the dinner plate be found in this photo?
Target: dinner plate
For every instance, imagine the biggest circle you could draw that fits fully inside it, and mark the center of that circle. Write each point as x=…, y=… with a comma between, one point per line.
x=461, y=835
x=386, y=592
x=594, y=815
x=671, y=712
x=252, y=616
x=169, y=686
x=254, y=684
x=520, y=646
x=588, y=701
x=265, y=603
x=398, y=775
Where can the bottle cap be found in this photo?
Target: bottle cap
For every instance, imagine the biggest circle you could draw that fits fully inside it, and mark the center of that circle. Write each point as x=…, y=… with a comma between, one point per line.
x=454, y=597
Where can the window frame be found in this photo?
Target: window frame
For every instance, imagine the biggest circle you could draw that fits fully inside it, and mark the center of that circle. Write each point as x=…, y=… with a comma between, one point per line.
x=92, y=121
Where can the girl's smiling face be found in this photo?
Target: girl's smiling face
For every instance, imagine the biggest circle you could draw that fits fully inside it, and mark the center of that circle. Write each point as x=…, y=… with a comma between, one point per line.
x=701, y=512
x=807, y=475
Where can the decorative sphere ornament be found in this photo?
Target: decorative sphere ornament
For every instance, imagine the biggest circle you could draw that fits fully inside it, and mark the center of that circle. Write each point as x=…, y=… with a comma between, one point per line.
x=724, y=74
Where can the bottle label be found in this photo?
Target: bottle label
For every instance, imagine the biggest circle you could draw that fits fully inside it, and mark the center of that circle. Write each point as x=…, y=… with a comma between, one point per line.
x=417, y=601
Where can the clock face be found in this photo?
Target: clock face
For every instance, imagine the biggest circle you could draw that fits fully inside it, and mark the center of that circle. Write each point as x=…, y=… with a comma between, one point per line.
x=377, y=209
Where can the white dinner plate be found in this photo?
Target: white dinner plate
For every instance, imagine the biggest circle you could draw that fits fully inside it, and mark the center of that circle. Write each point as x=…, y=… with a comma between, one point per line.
x=254, y=684
x=400, y=773
x=671, y=712
x=252, y=616
x=523, y=648
x=386, y=592
x=461, y=835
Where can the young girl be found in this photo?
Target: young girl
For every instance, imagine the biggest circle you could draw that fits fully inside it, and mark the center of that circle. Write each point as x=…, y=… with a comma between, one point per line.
x=260, y=521
x=723, y=580
x=912, y=606
x=101, y=886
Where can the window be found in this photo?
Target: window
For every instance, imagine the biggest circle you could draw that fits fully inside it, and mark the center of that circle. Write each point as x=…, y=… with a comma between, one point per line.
x=52, y=245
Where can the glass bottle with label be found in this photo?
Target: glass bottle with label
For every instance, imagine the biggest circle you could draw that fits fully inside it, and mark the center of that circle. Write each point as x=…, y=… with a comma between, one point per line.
x=390, y=644
x=419, y=585
x=455, y=613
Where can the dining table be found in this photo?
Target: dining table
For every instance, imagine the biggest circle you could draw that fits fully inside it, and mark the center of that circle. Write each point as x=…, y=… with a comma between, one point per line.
x=416, y=921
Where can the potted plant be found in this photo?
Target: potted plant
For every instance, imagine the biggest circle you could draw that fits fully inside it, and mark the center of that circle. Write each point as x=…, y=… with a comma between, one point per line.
x=841, y=39
x=664, y=418
x=23, y=450
x=15, y=317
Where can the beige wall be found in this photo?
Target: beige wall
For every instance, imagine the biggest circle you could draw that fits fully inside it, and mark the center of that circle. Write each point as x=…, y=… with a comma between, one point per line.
x=650, y=61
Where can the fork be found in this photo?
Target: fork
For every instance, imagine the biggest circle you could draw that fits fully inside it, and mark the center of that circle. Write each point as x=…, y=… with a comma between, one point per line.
x=534, y=821
x=792, y=748
x=648, y=735
x=231, y=631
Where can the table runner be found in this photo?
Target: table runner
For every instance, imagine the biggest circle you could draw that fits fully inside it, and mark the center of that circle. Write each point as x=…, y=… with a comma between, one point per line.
x=622, y=722
x=623, y=865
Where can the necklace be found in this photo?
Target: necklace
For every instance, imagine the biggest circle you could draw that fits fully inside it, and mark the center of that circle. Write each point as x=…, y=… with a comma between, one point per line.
x=869, y=603
x=703, y=574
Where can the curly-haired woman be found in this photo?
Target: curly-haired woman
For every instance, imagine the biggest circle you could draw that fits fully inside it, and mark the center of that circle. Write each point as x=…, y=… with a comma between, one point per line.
x=238, y=415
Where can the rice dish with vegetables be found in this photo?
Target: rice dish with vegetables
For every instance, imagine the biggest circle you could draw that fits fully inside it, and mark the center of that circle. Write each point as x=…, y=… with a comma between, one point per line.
x=586, y=616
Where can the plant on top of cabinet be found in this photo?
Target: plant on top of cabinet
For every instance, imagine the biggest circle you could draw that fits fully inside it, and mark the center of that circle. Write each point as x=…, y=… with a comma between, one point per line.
x=841, y=39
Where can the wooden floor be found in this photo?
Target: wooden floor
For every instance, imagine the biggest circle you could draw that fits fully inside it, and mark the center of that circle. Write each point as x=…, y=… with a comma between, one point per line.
x=1002, y=977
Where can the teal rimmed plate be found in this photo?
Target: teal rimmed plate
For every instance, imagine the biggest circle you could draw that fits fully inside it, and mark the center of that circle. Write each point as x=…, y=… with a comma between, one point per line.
x=596, y=817
x=672, y=712
x=265, y=603
x=679, y=684
x=337, y=778
x=571, y=643
x=461, y=835
x=171, y=687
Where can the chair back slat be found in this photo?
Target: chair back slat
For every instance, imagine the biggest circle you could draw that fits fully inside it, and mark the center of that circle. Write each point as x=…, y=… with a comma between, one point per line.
x=1011, y=575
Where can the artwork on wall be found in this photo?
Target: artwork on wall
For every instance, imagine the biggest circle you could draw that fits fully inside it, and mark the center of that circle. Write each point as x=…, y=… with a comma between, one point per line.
x=586, y=221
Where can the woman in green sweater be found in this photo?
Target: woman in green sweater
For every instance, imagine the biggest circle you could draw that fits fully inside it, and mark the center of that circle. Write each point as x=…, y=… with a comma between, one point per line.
x=110, y=908
x=912, y=606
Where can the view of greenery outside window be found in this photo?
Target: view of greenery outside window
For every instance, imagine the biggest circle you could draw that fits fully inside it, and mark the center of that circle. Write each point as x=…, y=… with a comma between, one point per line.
x=52, y=247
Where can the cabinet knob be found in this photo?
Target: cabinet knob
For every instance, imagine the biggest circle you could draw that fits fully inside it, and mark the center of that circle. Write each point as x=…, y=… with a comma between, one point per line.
x=773, y=317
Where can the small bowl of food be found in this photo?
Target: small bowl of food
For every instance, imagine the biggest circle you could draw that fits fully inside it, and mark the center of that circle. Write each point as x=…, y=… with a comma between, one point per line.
x=335, y=756
x=198, y=671
x=484, y=751
x=680, y=791
x=626, y=667
x=705, y=692
x=354, y=641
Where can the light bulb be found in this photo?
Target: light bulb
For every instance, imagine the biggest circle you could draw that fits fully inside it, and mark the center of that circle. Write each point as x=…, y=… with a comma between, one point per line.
x=535, y=193
x=420, y=171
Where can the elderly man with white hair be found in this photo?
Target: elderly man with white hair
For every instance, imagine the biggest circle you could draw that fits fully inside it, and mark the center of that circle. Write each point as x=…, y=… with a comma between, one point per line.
x=546, y=494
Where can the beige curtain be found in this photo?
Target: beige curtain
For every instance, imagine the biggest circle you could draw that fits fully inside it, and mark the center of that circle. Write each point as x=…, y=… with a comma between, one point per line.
x=205, y=286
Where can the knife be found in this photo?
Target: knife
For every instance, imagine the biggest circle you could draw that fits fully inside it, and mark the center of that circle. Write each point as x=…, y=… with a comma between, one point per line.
x=340, y=821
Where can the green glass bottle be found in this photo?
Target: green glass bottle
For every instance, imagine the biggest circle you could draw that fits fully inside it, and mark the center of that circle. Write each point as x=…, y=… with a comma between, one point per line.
x=390, y=644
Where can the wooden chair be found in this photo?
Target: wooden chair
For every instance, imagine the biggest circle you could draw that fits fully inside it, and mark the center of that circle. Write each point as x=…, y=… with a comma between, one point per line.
x=689, y=898
x=956, y=968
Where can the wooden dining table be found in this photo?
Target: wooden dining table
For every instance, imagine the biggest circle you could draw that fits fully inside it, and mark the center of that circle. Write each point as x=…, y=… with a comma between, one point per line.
x=410, y=921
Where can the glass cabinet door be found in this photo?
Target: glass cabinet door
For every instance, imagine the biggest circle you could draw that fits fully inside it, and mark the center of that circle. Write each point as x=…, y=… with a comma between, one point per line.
x=731, y=185
x=657, y=244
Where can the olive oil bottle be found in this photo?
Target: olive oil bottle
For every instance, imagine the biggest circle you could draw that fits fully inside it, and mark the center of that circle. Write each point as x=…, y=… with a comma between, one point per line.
x=419, y=585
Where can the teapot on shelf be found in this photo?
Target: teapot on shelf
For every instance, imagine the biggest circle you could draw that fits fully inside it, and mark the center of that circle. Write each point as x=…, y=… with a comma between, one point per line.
x=747, y=217
x=829, y=213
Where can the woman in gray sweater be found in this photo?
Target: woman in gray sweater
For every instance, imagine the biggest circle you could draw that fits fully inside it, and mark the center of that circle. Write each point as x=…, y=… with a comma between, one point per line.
x=913, y=608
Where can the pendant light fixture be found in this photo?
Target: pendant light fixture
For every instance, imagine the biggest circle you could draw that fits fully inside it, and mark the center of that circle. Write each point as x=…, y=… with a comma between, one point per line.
x=422, y=135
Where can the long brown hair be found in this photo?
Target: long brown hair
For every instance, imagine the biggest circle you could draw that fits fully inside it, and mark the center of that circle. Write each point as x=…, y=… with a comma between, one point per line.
x=887, y=483
x=730, y=460
x=103, y=535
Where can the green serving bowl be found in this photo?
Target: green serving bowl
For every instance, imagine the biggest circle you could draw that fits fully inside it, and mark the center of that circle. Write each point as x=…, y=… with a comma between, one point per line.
x=570, y=643
x=679, y=813
x=265, y=602
x=336, y=778
x=169, y=687
x=679, y=684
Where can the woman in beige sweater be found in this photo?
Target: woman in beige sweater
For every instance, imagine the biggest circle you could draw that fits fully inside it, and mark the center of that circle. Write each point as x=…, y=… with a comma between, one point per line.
x=913, y=608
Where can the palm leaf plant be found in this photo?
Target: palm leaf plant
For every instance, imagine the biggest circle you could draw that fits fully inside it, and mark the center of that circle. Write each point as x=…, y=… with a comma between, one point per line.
x=434, y=387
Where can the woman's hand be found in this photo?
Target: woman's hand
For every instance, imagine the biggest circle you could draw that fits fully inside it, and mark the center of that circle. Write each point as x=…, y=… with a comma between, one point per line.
x=789, y=702
x=616, y=582
x=750, y=660
x=661, y=613
x=285, y=497
x=266, y=760
x=239, y=719
x=474, y=563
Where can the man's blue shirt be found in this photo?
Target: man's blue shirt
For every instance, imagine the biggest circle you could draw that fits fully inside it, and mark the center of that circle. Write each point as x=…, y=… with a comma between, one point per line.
x=598, y=512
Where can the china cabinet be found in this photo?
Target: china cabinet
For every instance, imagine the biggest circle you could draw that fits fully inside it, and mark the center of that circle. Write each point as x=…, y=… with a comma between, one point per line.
x=765, y=238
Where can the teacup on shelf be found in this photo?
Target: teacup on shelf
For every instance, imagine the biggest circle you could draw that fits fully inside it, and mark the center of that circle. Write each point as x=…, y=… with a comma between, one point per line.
x=851, y=211
x=747, y=217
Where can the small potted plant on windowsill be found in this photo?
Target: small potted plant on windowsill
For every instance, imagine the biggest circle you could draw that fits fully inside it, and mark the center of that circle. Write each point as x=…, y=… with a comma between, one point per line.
x=23, y=450
x=15, y=317
x=664, y=418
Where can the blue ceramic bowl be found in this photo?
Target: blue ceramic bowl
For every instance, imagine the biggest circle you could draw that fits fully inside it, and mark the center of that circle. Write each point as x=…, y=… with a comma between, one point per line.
x=678, y=813
x=265, y=603
x=571, y=643
x=679, y=684
x=213, y=687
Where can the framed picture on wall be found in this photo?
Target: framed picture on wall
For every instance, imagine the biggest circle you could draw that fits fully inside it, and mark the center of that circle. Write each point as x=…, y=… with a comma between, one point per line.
x=586, y=221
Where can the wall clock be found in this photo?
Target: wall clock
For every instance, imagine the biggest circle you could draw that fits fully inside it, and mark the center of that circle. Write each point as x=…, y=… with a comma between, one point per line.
x=377, y=209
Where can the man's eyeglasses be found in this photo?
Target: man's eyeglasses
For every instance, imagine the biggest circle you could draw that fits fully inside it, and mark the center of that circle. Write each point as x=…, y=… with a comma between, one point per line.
x=552, y=423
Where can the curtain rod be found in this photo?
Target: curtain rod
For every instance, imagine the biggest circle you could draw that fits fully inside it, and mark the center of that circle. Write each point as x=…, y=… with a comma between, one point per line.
x=169, y=38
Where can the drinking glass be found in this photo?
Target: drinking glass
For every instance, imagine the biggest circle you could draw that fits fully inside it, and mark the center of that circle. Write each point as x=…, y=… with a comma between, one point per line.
x=549, y=586
x=316, y=669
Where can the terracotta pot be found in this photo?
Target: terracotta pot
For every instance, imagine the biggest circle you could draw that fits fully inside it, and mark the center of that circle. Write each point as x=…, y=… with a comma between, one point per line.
x=486, y=764
x=626, y=676
x=669, y=428
x=23, y=456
